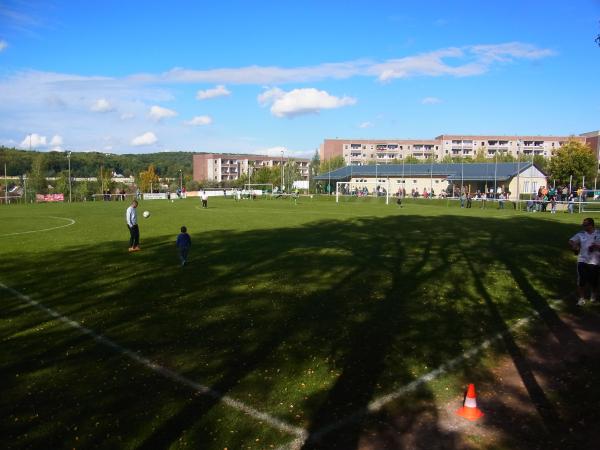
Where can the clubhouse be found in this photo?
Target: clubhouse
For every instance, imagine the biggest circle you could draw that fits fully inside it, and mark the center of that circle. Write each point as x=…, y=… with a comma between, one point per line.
x=513, y=178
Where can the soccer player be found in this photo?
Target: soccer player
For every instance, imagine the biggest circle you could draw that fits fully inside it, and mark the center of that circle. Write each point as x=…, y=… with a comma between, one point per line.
x=204, y=199
x=184, y=242
x=134, y=231
x=587, y=244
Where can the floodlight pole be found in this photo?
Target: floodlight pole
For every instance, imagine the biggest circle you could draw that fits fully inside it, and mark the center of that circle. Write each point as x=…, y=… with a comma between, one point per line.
x=180, y=180
x=282, y=179
x=431, y=175
x=5, y=186
x=69, y=160
x=518, y=173
x=387, y=194
x=495, y=171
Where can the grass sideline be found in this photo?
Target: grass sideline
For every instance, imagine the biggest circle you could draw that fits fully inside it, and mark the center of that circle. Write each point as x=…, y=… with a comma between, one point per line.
x=307, y=312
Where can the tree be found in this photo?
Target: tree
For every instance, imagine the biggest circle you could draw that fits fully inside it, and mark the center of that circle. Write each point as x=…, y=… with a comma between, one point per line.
x=572, y=159
x=147, y=179
x=313, y=170
x=411, y=160
x=480, y=156
x=105, y=179
x=61, y=185
x=331, y=164
x=36, y=179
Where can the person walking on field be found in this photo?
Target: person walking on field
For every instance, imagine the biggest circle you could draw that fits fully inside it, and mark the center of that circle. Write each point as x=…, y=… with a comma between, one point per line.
x=134, y=231
x=587, y=244
x=184, y=242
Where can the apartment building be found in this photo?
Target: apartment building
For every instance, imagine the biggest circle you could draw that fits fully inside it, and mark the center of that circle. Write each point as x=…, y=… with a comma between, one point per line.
x=593, y=140
x=362, y=151
x=461, y=145
x=228, y=167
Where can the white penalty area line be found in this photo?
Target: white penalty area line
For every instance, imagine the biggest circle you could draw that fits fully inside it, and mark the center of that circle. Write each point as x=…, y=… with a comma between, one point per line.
x=300, y=433
x=71, y=222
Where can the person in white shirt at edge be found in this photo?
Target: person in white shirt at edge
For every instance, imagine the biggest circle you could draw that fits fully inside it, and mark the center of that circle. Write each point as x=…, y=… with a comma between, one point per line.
x=134, y=231
x=204, y=199
x=587, y=244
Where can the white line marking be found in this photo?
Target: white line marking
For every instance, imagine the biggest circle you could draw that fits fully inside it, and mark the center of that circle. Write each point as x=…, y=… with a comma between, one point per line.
x=72, y=222
x=377, y=404
x=165, y=372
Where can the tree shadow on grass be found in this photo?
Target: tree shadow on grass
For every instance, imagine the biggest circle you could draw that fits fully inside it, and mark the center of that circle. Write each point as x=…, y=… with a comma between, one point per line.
x=363, y=303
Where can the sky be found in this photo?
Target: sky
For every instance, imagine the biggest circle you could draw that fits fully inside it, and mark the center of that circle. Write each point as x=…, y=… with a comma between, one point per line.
x=265, y=76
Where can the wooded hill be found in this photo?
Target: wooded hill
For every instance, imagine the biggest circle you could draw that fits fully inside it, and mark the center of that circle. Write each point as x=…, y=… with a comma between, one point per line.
x=88, y=164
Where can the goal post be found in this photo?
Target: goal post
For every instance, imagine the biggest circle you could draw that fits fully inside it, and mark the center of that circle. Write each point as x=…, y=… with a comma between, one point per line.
x=362, y=189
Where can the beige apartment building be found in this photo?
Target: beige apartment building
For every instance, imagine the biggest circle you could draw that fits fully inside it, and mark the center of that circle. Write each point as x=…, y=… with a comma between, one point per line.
x=362, y=151
x=228, y=166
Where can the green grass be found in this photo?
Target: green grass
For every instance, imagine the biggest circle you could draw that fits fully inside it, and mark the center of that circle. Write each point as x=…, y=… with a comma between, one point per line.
x=306, y=312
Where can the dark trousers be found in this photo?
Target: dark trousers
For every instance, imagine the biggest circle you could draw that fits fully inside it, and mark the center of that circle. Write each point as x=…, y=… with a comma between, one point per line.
x=205, y=203
x=183, y=253
x=134, y=236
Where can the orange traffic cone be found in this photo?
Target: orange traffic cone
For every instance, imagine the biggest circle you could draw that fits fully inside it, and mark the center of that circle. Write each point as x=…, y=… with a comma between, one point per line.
x=470, y=411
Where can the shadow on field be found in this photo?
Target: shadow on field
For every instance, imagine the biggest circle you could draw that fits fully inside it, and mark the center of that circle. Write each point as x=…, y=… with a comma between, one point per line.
x=310, y=324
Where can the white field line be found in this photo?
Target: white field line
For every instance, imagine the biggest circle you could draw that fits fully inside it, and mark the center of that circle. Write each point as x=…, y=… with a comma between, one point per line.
x=164, y=371
x=378, y=403
x=71, y=222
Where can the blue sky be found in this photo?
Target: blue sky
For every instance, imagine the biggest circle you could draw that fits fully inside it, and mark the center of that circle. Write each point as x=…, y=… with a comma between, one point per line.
x=258, y=77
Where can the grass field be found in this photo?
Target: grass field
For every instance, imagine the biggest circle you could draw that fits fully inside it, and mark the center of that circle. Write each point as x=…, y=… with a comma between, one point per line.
x=288, y=323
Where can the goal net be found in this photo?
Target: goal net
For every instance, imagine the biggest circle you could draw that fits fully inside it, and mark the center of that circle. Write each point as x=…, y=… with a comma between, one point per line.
x=362, y=190
x=589, y=201
x=258, y=188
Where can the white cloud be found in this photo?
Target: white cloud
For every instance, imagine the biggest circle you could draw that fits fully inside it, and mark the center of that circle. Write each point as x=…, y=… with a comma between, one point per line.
x=365, y=125
x=159, y=113
x=301, y=101
x=431, y=101
x=219, y=91
x=200, y=120
x=56, y=141
x=34, y=141
x=3, y=45
x=270, y=95
x=453, y=61
x=102, y=105
x=147, y=138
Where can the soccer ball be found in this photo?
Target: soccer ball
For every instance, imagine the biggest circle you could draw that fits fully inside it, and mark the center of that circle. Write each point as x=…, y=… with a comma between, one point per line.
x=146, y=214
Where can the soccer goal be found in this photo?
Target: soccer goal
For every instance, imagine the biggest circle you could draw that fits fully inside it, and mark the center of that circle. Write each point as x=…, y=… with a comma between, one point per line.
x=362, y=189
x=589, y=202
x=259, y=188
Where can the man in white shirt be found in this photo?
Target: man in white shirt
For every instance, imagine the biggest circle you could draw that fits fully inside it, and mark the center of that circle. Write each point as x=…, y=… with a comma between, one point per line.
x=134, y=231
x=204, y=199
x=587, y=244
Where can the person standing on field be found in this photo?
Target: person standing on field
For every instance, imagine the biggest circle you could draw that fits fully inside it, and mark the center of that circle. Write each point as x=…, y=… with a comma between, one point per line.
x=587, y=244
x=204, y=199
x=134, y=231
x=184, y=242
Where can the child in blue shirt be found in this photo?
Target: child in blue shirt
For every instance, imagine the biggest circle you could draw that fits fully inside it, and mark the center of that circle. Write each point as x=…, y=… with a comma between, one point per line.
x=184, y=242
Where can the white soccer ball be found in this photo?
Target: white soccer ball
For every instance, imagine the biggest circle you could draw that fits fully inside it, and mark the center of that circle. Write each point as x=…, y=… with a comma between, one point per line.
x=146, y=214
x=311, y=196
